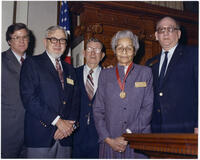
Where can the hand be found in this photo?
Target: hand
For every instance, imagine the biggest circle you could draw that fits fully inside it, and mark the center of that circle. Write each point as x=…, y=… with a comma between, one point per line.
x=58, y=135
x=110, y=66
x=117, y=144
x=196, y=130
x=70, y=124
x=65, y=126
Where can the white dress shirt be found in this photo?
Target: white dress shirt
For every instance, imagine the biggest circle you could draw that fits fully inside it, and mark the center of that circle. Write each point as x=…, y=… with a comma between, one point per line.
x=95, y=75
x=169, y=56
x=19, y=57
x=53, y=60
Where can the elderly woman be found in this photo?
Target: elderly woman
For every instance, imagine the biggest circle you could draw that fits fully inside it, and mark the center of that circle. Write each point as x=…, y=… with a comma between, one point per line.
x=124, y=99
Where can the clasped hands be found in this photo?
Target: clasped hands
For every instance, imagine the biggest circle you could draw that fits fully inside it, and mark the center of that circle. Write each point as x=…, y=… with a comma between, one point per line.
x=64, y=129
x=117, y=144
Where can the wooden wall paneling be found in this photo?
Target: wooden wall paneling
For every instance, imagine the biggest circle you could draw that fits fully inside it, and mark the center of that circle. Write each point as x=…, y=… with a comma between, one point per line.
x=103, y=19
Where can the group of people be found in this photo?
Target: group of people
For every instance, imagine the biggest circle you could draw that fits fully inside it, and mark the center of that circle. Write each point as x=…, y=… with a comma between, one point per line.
x=51, y=110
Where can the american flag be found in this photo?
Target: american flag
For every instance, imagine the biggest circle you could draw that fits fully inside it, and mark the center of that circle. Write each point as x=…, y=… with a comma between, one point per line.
x=64, y=22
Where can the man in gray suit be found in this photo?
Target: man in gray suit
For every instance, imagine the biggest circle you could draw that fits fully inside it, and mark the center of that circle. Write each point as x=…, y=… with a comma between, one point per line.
x=12, y=110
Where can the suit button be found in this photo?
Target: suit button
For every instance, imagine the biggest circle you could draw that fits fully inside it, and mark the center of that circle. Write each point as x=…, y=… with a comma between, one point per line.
x=161, y=94
x=89, y=104
x=64, y=102
x=158, y=110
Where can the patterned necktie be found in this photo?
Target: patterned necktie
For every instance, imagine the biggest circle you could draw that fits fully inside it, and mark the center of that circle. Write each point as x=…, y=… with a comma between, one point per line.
x=60, y=72
x=90, y=85
x=163, y=69
x=22, y=60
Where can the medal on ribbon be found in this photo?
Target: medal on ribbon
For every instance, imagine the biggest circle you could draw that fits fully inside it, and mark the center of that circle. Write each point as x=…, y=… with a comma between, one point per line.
x=122, y=85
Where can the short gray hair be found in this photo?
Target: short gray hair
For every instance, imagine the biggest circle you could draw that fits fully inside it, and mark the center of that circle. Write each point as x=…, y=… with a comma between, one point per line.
x=125, y=34
x=54, y=28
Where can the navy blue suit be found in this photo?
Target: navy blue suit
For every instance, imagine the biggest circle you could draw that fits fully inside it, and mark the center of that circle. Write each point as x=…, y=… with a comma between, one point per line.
x=44, y=99
x=176, y=101
x=85, y=143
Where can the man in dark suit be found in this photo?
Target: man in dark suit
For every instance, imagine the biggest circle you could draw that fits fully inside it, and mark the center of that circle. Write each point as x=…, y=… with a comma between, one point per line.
x=50, y=95
x=86, y=138
x=175, y=82
x=12, y=110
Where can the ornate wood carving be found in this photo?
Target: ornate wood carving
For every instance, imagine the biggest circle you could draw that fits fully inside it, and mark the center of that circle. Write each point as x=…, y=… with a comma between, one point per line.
x=102, y=19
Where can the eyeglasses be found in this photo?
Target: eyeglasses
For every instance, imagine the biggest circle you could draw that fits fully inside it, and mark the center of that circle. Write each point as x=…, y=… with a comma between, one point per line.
x=162, y=30
x=128, y=49
x=55, y=40
x=18, y=38
x=96, y=50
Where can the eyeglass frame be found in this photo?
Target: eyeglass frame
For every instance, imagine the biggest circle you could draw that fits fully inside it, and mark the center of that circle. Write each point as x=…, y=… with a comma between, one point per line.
x=57, y=40
x=96, y=50
x=18, y=38
x=125, y=48
x=169, y=29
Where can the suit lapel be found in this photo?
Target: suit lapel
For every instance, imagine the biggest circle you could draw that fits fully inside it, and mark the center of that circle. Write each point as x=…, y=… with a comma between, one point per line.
x=156, y=70
x=50, y=67
x=13, y=63
x=133, y=69
x=65, y=73
x=176, y=56
x=81, y=75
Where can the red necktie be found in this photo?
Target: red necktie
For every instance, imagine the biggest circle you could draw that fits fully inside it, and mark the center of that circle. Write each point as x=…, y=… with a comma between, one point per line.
x=60, y=72
x=22, y=60
x=90, y=85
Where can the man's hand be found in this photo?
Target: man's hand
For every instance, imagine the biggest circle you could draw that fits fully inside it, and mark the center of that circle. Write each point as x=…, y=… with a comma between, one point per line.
x=65, y=126
x=58, y=135
x=117, y=144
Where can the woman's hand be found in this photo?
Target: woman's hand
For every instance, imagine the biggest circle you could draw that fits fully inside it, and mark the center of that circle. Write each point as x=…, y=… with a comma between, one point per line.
x=117, y=144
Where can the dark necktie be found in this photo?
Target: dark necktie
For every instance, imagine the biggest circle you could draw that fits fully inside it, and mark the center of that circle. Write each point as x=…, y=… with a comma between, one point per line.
x=60, y=72
x=90, y=85
x=163, y=69
x=22, y=60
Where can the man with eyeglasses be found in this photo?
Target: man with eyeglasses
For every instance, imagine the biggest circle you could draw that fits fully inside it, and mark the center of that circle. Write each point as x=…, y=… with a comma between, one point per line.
x=12, y=110
x=50, y=95
x=85, y=143
x=175, y=82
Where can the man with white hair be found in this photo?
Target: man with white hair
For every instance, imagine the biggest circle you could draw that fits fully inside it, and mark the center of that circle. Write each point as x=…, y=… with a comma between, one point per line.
x=50, y=96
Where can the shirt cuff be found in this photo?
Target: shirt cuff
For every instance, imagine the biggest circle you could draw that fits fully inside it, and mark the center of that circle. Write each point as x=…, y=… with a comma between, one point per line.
x=55, y=120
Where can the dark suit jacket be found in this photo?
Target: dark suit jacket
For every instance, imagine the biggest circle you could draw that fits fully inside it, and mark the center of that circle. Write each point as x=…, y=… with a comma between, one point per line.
x=176, y=102
x=12, y=110
x=85, y=138
x=44, y=99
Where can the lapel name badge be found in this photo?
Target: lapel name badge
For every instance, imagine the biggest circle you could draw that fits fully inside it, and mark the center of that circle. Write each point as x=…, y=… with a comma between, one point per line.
x=140, y=84
x=70, y=81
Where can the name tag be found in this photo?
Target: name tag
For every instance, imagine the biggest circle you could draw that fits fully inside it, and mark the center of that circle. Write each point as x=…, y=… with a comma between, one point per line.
x=70, y=81
x=140, y=84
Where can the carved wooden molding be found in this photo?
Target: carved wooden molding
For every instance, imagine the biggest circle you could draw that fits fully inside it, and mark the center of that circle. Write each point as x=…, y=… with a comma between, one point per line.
x=89, y=30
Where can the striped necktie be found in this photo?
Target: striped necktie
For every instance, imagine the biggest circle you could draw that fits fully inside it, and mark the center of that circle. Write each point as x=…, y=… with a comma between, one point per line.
x=60, y=72
x=90, y=85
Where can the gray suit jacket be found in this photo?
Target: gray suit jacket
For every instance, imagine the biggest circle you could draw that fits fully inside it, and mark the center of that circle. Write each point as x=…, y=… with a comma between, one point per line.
x=12, y=110
x=113, y=115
